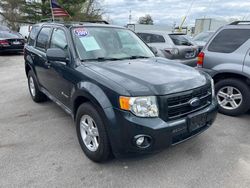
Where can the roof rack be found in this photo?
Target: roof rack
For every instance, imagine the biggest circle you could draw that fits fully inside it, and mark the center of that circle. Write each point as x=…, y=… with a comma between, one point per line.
x=240, y=23
x=95, y=21
x=84, y=21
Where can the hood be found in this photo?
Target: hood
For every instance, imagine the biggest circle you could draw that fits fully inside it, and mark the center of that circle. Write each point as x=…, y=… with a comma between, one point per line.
x=153, y=76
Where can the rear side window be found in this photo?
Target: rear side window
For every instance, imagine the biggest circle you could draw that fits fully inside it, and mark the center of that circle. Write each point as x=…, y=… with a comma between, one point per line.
x=43, y=38
x=152, y=38
x=229, y=40
x=33, y=34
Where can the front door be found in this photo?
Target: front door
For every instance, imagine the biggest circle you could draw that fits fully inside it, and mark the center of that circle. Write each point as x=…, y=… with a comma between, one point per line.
x=59, y=72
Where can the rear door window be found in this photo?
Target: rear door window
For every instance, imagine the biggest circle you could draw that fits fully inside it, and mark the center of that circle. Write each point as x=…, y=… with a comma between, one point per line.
x=43, y=38
x=152, y=38
x=33, y=34
x=229, y=40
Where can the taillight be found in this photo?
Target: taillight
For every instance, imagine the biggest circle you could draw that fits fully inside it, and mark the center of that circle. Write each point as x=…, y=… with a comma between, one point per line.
x=200, y=59
x=4, y=42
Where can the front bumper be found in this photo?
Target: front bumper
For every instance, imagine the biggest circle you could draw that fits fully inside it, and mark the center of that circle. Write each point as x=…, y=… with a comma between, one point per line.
x=163, y=134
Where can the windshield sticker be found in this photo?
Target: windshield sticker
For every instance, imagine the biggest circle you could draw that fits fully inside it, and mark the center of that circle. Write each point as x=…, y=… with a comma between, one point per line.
x=89, y=43
x=81, y=32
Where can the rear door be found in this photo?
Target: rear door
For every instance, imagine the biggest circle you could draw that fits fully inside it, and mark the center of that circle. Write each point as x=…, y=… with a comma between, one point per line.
x=41, y=63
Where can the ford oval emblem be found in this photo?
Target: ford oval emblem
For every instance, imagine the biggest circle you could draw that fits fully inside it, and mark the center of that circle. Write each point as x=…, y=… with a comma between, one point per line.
x=195, y=102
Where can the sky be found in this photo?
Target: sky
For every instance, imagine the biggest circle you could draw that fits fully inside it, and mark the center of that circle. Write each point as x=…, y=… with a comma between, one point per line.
x=168, y=12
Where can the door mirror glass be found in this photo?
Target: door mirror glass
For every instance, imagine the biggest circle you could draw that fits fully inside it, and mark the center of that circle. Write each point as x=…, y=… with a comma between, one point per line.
x=56, y=54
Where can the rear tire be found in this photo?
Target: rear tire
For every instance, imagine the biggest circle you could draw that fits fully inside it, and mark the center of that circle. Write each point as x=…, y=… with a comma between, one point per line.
x=233, y=96
x=91, y=133
x=36, y=95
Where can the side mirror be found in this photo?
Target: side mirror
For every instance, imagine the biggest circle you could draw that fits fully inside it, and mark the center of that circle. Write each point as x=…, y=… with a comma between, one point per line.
x=56, y=54
x=154, y=50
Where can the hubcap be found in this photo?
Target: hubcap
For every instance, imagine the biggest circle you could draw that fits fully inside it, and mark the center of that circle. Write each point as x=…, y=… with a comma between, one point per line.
x=89, y=133
x=32, y=87
x=229, y=98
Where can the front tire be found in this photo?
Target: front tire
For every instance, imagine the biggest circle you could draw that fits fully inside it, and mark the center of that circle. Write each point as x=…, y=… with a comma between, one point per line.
x=35, y=93
x=233, y=96
x=91, y=133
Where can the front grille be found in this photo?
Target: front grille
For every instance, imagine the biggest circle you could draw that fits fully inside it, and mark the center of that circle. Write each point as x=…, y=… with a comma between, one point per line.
x=178, y=105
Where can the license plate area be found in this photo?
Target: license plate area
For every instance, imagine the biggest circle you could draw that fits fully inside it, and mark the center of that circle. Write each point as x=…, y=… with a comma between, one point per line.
x=196, y=122
x=16, y=43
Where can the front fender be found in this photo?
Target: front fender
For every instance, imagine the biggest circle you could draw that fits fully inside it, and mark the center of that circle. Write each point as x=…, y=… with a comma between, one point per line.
x=96, y=96
x=91, y=92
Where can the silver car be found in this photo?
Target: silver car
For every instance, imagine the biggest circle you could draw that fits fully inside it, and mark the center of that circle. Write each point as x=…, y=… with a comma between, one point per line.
x=226, y=57
x=174, y=46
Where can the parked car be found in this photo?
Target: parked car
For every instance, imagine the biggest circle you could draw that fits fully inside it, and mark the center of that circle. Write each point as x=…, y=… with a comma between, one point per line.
x=226, y=58
x=25, y=31
x=11, y=42
x=122, y=98
x=202, y=38
x=173, y=46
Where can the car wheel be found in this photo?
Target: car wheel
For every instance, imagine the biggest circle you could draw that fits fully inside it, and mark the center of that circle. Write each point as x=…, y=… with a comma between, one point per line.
x=35, y=93
x=91, y=133
x=233, y=96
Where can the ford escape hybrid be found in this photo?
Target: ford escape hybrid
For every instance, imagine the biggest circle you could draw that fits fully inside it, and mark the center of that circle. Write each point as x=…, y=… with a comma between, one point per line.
x=122, y=98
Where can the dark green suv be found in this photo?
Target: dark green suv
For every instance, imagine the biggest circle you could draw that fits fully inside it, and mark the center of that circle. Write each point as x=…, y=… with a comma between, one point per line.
x=122, y=98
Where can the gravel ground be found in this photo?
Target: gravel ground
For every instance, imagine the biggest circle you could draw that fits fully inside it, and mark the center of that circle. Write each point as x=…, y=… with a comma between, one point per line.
x=39, y=148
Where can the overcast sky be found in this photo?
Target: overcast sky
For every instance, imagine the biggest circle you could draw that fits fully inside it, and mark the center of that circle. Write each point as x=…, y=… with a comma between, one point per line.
x=170, y=11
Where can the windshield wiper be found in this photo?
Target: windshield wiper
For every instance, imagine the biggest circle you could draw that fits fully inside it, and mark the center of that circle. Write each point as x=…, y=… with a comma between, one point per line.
x=137, y=57
x=114, y=59
x=101, y=59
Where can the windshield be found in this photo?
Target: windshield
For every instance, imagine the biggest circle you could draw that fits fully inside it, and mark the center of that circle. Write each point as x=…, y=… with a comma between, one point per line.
x=180, y=40
x=103, y=43
x=204, y=37
x=9, y=35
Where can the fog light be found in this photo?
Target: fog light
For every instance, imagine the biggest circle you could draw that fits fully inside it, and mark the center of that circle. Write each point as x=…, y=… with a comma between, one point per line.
x=142, y=141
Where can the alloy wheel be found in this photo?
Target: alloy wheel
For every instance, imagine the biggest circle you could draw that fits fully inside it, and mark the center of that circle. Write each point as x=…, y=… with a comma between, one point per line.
x=32, y=87
x=229, y=98
x=89, y=133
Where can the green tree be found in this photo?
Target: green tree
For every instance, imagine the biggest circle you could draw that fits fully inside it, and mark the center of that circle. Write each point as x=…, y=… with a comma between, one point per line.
x=147, y=20
x=10, y=10
x=78, y=10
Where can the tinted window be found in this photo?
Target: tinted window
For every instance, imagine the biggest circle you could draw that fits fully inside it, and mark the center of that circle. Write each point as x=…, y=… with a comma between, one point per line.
x=180, y=40
x=58, y=40
x=229, y=40
x=43, y=38
x=33, y=34
x=152, y=38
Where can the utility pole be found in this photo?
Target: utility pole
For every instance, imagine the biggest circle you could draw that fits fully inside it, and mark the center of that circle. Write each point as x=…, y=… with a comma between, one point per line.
x=130, y=17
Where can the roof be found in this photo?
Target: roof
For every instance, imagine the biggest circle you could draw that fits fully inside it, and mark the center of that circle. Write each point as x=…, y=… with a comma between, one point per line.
x=159, y=32
x=79, y=24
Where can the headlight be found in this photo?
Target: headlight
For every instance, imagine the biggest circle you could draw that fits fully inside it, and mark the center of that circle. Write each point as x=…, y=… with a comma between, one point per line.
x=174, y=51
x=212, y=86
x=140, y=106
